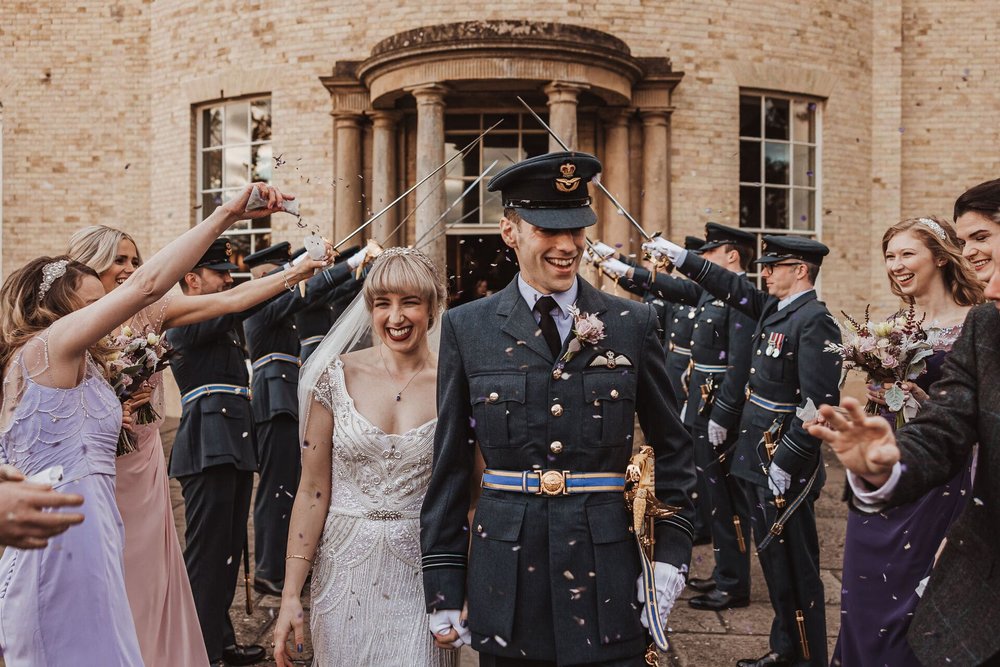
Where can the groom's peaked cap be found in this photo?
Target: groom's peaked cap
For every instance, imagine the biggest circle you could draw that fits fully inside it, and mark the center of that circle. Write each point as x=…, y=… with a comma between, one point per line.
x=279, y=253
x=217, y=257
x=550, y=191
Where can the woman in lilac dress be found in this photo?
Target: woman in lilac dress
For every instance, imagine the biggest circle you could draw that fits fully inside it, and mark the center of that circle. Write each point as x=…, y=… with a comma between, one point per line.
x=888, y=553
x=66, y=604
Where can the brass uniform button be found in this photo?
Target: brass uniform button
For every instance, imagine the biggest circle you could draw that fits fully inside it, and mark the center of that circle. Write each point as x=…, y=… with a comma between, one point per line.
x=753, y=370
x=223, y=411
x=556, y=410
x=493, y=397
x=479, y=528
x=614, y=393
x=556, y=447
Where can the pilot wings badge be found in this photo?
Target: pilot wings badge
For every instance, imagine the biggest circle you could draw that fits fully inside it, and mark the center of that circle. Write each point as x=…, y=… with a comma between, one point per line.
x=568, y=182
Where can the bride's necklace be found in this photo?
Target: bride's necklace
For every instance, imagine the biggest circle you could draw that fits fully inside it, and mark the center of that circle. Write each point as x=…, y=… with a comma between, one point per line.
x=399, y=394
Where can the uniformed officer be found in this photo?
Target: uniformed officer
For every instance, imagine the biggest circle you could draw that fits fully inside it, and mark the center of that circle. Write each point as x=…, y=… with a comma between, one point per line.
x=552, y=569
x=214, y=455
x=720, y=355
x=779, y=462
x=314, y=321
x=273, y=343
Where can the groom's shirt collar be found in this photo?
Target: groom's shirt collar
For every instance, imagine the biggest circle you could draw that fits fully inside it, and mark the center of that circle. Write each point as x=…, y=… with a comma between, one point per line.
x=562, y=316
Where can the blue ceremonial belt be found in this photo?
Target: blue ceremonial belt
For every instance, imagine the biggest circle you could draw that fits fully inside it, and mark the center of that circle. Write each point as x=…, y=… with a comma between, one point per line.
x=206, y=389
x=652, y=607
x=705, y=368
x=312, y=340
x=275, y=356
x=773, y=406
x=552, y=482
x=683, y=351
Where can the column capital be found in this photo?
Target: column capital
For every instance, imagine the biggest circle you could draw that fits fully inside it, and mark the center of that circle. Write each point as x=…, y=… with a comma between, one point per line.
x=616, y=116
x=384, y=119
x=430, y=93
x=653, y=117
x=347, y=119
x=564, y=91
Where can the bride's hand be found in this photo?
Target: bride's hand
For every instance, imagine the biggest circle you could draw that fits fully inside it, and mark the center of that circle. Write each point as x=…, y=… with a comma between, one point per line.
x=290, y=617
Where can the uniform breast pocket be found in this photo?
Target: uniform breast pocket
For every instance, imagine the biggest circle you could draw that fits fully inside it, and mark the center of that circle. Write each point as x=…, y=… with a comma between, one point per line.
x=609, y=397
x=779, y=365
x=498, y=409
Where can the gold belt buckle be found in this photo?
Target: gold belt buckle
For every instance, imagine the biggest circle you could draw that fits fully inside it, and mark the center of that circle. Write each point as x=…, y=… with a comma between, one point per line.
x=552, y=482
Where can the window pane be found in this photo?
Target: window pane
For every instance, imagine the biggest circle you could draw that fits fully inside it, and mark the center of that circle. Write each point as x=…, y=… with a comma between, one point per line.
x=492, y=208
x=805, y=166
x=775, y=118
x=803, y=208
x=260, y=120
x=504, y=155
x=750, y=161
x=749, y=115
x=237, y=123
x=749, y=206
x=211, y=120
x=209, y=202
x=534, y=144
x=211, y=169
x=803, y=115
x=463, y=121
x=462, y=212
x=776, y=163
x=262, y=163
x=776, y=208
x=237, y=166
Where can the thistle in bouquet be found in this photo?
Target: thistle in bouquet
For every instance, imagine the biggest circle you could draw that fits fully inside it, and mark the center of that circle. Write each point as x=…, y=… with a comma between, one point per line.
x=140, y=355
x=890, y=352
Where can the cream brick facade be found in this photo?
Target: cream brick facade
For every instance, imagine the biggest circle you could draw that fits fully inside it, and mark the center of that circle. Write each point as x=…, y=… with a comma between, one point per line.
x=98, y=122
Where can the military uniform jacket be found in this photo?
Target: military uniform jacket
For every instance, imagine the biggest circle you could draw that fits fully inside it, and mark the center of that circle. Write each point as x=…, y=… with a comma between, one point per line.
x=215, y=429
x=721, y=337
x=317, y=319
x=797, y=368
x=549, y=576
x=271, y=330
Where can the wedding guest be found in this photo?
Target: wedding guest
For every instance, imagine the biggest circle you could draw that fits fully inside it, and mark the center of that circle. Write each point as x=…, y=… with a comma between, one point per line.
x=24, y=521
x=156, y=581
x=977, y=220
x=956, y=620
x=888, y=551
x=67, y=601
x=368, y=431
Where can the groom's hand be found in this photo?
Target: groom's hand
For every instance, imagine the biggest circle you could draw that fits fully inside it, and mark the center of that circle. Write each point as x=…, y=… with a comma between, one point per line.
x=865, y=445
x=450, y=628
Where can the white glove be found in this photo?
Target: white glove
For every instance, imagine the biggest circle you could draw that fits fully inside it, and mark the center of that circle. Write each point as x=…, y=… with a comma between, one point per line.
x=716, y=433
x=441, y=623
x=354, y=261
x=669, y=583
x=615, y=267
x=604, y=250
x=661, y=247
x=778, y=480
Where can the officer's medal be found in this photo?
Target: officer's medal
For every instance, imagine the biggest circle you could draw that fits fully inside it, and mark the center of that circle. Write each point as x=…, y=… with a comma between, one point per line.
x=774, y=343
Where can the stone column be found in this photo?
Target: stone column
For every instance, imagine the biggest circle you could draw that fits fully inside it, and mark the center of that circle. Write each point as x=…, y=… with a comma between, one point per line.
x=562, y=112
x=384, y=175
x=430, y=155
x=347, y=213
x=655, y=214
x=616, y=178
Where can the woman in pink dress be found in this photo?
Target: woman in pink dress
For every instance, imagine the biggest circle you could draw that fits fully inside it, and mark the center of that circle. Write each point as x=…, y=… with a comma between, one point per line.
x=156, y=579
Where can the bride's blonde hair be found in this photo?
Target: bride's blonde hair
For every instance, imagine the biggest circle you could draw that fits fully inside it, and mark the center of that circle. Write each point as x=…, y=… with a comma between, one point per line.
x=398, y=270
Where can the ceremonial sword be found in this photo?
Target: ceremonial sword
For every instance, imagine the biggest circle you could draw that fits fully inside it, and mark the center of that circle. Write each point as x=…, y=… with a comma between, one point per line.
x=416, y=244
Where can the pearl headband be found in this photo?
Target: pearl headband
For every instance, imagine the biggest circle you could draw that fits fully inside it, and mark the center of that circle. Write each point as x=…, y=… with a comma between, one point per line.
x=934, y=227
x=50, y=273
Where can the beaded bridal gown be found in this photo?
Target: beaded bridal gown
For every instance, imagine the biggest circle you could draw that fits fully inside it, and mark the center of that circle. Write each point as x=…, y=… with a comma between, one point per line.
x=367, y=594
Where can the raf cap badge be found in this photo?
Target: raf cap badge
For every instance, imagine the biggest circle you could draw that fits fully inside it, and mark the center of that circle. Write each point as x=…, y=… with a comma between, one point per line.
x=568, y=182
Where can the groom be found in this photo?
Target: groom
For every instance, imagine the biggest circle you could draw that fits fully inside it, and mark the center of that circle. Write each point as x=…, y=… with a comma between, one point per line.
x=550, y=574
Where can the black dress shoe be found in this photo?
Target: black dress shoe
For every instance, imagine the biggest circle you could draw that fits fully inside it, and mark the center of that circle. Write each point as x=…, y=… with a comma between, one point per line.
x=717, y=601
x=772, y=659
x=267, y=587
x=243, y=655
x=701, y=585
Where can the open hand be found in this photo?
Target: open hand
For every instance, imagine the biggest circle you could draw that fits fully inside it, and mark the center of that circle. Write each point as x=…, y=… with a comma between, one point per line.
x=864, y=444
x=25, y=522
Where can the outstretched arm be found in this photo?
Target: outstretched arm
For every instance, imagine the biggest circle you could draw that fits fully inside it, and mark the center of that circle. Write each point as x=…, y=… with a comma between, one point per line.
x=668, y=287
x=732, y=288
x=72, y=335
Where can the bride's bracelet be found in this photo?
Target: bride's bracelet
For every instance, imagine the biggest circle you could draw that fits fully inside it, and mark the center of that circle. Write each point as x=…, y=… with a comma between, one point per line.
x=308, y=560
x=290, y=288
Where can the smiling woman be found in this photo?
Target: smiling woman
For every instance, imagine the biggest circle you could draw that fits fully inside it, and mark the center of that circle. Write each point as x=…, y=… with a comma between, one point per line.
x=977, y=218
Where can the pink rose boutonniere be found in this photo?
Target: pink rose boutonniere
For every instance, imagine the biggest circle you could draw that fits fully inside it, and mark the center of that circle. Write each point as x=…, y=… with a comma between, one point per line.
x=587, y=330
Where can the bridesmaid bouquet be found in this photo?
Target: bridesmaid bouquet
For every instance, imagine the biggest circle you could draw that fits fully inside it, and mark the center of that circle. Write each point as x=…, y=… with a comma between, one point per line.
x=893, y=352
x=141, y=354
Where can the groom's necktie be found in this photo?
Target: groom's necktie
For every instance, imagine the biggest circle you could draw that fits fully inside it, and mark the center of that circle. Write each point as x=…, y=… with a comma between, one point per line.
x=544, y=307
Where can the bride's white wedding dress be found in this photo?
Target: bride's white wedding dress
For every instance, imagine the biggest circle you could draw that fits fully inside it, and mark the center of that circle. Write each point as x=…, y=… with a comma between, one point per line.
x=367, y=592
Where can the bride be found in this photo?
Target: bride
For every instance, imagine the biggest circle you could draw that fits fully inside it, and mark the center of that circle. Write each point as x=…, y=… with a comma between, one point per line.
x=366, y=397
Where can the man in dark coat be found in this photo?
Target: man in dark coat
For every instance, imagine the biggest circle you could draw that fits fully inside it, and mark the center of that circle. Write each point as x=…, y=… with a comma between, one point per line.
x=551, y=576
x=792, y=371
x=314, y=321
x=957, y=618
x=721, y=345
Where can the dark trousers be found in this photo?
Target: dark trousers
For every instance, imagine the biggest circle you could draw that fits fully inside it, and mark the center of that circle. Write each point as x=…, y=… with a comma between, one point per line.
x=279, y=459
x=217, y=506
x=791, y=568
x=702, y=502
x=726, y=499
x=487, y=660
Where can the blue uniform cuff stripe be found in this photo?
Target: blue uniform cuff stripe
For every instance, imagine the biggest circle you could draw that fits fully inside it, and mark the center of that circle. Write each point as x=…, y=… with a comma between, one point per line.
x=795, y=448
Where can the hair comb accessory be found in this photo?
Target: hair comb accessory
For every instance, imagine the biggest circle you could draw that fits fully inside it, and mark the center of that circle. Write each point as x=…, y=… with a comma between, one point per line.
x=51, y=272
x=934, y=227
